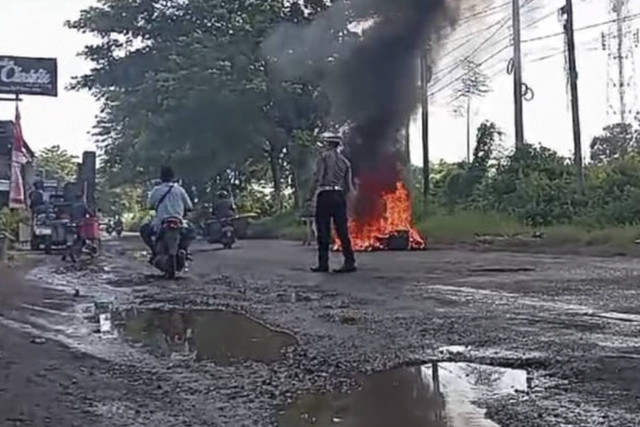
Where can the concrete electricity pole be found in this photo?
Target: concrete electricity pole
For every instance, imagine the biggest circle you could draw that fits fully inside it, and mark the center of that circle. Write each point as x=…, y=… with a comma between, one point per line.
x=517, y=75
x=407, y=141
x=425, y=78
x=567, y=10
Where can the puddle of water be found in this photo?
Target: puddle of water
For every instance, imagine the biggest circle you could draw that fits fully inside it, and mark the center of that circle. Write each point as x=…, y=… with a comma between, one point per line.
x=220, y=336
x=435, y=395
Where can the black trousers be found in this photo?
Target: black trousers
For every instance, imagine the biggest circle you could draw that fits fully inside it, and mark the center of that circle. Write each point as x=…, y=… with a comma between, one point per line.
x=332, y=205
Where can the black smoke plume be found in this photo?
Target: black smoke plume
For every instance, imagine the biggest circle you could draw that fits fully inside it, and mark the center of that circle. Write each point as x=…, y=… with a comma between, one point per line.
x=365, y=54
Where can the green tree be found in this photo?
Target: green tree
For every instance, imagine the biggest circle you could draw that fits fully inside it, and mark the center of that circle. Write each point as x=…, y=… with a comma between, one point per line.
x=474, y=84
x=57, y=163
x=186, y=83
x=463, y=181
x=616, y=141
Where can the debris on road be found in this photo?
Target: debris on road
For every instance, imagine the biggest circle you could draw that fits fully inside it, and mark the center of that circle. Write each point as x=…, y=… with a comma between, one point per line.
x=502, y=269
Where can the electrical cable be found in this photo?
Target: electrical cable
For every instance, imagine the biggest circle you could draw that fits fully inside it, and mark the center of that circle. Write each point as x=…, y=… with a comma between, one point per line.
x=458, y=64
x=587, y=27
x=486, y=12
x=505, y=20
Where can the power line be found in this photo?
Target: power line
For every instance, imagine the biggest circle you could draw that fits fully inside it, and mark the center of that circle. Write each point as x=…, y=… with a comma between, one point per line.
x=587, y=27
x=457, y=79
x=503, y=22
x=493, y=55
x=457, y=64
x=484, y=13
x=470, y=36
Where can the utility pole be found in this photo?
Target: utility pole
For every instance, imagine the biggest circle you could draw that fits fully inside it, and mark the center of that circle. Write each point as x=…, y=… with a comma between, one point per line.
x=567, y=10
x=407, y=141
x=425, y=78
x=469, y=130
x=517, y=75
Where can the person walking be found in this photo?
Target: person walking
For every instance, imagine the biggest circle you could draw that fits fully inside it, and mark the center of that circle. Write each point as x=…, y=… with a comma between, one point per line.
x=308, y=218
x=332, y=183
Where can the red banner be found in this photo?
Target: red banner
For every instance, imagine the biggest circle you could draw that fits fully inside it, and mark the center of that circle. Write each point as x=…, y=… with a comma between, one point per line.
x=18, y=158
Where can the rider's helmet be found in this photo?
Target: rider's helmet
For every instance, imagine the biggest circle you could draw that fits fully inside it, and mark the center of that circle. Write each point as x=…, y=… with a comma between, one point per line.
x=222, y=194
x=167, y=174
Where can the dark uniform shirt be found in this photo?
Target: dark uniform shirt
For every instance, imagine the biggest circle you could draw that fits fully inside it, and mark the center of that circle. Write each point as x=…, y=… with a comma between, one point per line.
x=333, y=172
x=224, y=208
x=36, y=199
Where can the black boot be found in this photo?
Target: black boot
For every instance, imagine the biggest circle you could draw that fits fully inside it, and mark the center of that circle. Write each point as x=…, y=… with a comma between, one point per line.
x=320, y=269
x=346, y=268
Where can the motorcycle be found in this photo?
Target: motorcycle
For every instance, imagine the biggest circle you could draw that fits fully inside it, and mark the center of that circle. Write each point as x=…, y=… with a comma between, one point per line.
x=83, y=239
x=41, y=232
x=118, y=230
x=222, y=231
x=170, y=259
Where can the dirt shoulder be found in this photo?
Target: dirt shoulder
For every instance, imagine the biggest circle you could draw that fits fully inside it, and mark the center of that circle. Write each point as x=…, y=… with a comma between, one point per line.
x=39, y=376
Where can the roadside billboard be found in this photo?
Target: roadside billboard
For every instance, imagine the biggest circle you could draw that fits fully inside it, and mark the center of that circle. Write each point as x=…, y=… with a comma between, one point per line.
x=28, y=76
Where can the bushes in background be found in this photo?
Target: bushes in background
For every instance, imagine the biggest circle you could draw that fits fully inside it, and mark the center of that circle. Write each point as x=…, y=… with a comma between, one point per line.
x=537, y=187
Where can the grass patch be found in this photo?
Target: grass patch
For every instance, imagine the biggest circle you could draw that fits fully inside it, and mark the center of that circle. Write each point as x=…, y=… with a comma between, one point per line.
x=463, y=226
x=621, y=237
x=282, y=226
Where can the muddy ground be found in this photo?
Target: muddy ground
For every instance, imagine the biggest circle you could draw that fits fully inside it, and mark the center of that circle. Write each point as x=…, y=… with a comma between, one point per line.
x=572, y=322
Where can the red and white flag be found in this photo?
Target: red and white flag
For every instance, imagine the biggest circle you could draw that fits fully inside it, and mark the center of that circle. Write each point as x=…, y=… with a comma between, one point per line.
x=18, y=158
x=19, y=154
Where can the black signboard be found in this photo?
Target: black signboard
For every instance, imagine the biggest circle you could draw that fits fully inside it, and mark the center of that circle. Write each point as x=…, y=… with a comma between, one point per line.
x=28, y=76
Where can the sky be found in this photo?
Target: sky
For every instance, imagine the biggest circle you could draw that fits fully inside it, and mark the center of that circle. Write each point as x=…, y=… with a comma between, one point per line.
x=35, y=28
x=547, y=118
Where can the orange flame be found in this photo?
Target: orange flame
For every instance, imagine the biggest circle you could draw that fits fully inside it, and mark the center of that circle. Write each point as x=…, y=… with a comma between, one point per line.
x=370, y=234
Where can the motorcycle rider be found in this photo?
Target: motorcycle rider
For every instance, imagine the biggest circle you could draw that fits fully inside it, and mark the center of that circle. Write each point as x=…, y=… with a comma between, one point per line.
x=117, y=223
x=36, y=198
x=169, y=200
x=224, y=207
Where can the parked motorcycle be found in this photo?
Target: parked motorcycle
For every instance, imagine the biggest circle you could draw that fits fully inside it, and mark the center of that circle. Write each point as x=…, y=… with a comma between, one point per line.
x=41, y=231
x=170, y=259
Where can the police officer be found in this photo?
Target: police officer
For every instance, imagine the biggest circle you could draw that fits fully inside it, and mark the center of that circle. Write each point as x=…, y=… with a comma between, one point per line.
x=331, y=185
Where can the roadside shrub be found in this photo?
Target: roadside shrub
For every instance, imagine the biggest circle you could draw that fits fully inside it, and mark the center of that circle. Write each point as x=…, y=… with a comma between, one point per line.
x=10, y=220
x=282, y=226
x=132, y=222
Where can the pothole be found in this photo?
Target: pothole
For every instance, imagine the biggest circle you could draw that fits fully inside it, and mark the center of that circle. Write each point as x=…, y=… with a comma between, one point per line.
x=434, y=395
x=219, y=336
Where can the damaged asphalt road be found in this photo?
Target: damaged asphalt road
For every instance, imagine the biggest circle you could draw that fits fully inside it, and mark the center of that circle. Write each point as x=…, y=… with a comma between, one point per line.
x=570, y=325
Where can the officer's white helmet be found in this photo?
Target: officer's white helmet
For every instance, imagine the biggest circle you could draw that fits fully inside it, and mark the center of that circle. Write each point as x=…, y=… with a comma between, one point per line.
x=331, y=137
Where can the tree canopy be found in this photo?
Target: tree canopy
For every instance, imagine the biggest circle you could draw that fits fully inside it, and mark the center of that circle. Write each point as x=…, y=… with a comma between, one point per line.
x=616, y=141
x=185, y=83
x=57, y=163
